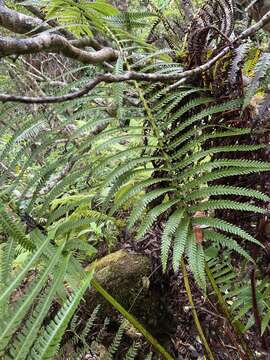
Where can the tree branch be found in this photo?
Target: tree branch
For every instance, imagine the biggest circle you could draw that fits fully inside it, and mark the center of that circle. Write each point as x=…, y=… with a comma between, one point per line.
x=130, y=75
x=56, y=44
x=110, y=78
x=20, y=23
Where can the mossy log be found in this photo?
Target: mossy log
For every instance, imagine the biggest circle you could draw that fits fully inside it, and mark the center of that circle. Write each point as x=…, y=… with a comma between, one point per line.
x=125, y=275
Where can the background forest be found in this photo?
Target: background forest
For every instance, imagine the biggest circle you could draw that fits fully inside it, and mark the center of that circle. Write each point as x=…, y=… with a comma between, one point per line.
x=134, y=179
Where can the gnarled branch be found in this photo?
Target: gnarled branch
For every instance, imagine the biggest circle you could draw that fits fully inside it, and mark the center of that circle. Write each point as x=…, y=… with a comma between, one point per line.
x=56, y=44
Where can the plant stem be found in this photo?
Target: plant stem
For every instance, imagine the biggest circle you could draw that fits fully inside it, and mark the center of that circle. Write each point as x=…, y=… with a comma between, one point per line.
x=156, y=345
x=194, y=312
x=234, y=324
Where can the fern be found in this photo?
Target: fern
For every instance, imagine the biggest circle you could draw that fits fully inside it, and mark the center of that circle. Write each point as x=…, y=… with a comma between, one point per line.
x=225, y=226
x=29, y=333
x=115, y=344
x=48, y=344
x=170, y=229
x=181, y=236
x=10, y=323
x=260, y=71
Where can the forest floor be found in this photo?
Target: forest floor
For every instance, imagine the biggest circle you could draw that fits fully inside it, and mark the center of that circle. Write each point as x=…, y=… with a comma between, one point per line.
x=177, y=330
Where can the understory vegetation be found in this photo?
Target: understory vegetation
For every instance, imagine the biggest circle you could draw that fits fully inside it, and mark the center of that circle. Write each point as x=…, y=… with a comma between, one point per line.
x=134, y=179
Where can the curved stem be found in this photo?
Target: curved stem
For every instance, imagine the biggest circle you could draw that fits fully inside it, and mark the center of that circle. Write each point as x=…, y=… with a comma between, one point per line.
x=234, y=324
x=156, y=345
x=194, y=312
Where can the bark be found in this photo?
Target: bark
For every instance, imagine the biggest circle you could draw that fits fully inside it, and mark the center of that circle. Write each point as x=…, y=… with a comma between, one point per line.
x=56, y=44
x=19, y=23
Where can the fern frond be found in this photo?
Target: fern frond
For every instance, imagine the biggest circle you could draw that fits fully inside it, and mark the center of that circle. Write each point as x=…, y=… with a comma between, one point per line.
x=152, y=216
x=132, y=351
x=48, y=343
x=180, y=240
x=221, y=149
x=251, y=165
x=21, y=275
x=28, y=335
x=227, y=242
x=90, y=322
x=130, y=192
x=116, y=342
x=14, y=229
x=10, y=324
x=121, y=170
x=225, y=226
x=229, y=105
x=201, y=267
x=169, y=230
x=239, y=55
x=220, y=174
x=226, y=204
x=216, y=190
x=7, y=252
x=144, y=202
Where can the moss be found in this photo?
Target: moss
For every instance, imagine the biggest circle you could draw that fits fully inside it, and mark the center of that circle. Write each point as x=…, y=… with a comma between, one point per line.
x=122, y=274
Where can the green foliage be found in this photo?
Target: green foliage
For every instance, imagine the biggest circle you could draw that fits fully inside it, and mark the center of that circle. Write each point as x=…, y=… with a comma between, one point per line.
x=179, y=185
x=260, y=71
x=26, y=310
x=128, y=154
x=237, y=292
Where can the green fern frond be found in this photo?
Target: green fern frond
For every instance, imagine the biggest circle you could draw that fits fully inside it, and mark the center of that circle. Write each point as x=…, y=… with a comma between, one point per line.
x=48, y=343
x=229, y=105
x=201, y=266
x=14, y=229
x=171, y=226
x=220, y=174
x=165, y=106
x=198, y=101
x=125, y=179
x=149, y=356
x=227, y=242
x=59, y=188
x=195, y=260
x=202, y=138
x=7, y=252
x=216, y=190
x=28, y=335
x=19, y=277
x=122, y=169
x=132, y=351
x=67, y=208
x=152, y=216
x=116, y=342
x=251, y=165
x=221, y=149
x=226, y=204
x=10, y=324
x=137, y=188
x=90, y=322
x=180, y=240
x=144, y=202
x=225, y=226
